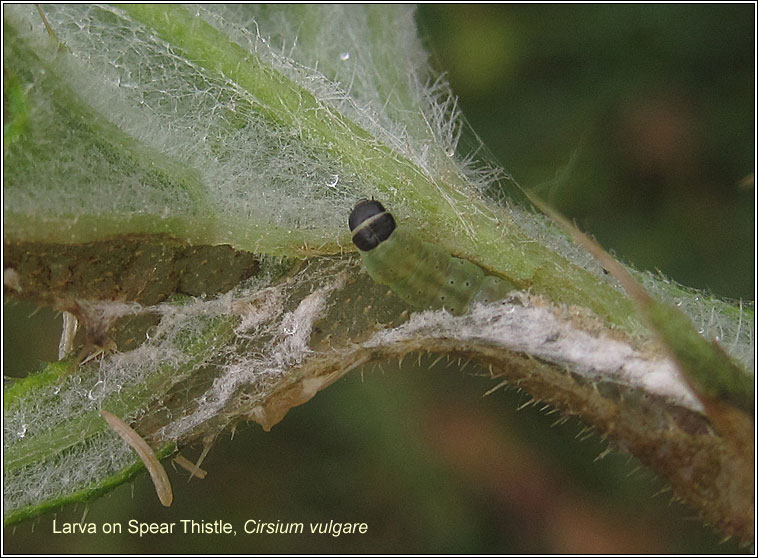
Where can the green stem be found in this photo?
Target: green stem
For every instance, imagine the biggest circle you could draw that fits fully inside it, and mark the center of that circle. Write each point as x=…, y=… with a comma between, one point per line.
x=89, y=493
x=493, y=242
x=77, y=429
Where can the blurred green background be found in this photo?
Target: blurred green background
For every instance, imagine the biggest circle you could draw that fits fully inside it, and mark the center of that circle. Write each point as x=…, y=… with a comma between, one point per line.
x=635, y=120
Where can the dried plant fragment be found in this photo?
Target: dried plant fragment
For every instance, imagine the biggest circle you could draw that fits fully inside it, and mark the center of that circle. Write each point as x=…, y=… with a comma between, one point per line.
x=193, y=468
x=146, y=454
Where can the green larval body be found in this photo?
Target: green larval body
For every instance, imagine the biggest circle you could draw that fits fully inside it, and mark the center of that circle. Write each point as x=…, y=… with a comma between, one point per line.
x=428, y=276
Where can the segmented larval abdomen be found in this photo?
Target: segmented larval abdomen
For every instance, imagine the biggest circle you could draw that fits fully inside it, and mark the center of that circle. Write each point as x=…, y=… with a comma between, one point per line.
x=421, y=273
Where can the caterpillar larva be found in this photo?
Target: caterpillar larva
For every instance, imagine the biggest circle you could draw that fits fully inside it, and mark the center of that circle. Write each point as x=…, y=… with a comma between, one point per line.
x=419, y=272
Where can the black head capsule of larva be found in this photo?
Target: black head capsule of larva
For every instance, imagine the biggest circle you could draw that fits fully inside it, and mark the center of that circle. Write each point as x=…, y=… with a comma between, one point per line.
x=370, y=224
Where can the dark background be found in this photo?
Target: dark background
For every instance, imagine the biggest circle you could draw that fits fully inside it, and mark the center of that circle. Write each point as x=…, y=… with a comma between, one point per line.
x=635, y=120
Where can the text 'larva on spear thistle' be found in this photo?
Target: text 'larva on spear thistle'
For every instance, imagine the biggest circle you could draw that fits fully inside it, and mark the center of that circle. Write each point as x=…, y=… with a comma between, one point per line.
x=421, y=273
